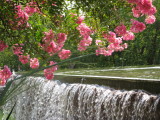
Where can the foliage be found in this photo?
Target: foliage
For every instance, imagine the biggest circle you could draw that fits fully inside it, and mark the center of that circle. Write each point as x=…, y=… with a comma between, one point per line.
x=50, y=30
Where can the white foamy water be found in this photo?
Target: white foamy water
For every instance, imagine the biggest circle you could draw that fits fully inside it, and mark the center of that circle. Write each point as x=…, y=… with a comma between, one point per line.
x=53, y=100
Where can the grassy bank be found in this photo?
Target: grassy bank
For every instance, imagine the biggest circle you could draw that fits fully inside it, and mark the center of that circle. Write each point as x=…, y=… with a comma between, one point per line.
x=1, y=115
x=147, y=72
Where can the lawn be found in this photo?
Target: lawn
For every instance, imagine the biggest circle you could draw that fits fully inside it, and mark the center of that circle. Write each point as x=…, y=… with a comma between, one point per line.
x=131, y=72
x=1, y=115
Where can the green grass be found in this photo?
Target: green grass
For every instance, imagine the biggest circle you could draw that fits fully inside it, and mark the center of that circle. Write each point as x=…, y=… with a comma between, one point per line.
x=111, y=71
x=1, y=115
x=151, y=73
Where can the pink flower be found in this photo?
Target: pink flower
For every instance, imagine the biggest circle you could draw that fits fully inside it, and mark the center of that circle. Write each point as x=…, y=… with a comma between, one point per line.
x=21, y=18
x=100, y=51
x=24, y=59
x=53, y=44
x=118, y=40
x=111, y=36
x=112, y=46
x=48, y=73
x=128, y=36
x=137, y=26
x=17, y=49
x=64, y=54
x=108, y=52
x=51, y=48
x=4, y=75
x=84, y=30
x=152, y=11
x=144, y=5
x=60, y=46
x=48, y=42
x=30, y=10
x=22, y=14
x=136, y=12
x=3, y=82
x=34, y=63
x=80, y=19
x=86, y=41
x=150, y=19
x=125, y=45
x=54, y=68
x=61, y=37
x=103, y=51
x=3, y=46
x=6, y=72
x=115, y=47
x=120, y=30
x=48, y=36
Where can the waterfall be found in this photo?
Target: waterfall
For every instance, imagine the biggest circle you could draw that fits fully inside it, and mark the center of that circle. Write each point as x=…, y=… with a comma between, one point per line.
x=53, y=100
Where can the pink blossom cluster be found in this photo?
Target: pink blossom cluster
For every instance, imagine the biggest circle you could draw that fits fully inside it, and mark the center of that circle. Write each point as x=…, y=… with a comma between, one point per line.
x=80, y=19
x=103, y=51
x=22, y=15
x=115, y=39
x=115, y=43
x=48, y=73
x=85, y=33
x=150, y=19
x=137, y=26
x=17, y=49
x=4, y=75
x=3, y=46
x=53, y=44
x=24, y=59
x=64, y=54
x=144, y=7
x=31, y=8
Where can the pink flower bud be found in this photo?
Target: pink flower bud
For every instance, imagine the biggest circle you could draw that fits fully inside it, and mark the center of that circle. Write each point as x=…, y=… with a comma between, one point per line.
x=34, y=63
x=150, y=19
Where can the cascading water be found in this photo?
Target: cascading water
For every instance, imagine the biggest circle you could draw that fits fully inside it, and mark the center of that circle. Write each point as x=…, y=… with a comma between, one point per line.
x=52, y=100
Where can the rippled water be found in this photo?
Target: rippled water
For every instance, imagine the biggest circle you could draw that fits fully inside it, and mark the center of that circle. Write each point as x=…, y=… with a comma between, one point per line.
x=53, y=100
